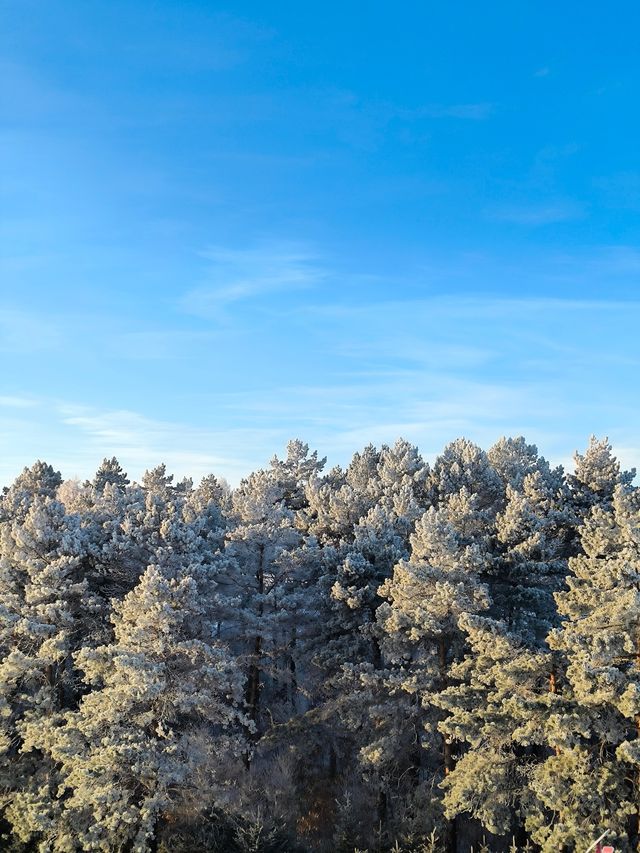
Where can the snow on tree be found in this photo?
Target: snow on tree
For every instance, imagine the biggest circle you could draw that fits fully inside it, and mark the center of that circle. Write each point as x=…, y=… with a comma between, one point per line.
x=260, y=538
x=401, y=467
x=110, y=472
x=362, y=474
x=77, y=497
x=296, y=471
x=41, y=480
x=337, y=502
x=419, y=622
x=464, y=465
x=592, y=779
x=513, y=459
x=419, y=645
x=533, y=536
x=425, y=599
x=497, y=707
x=44, y=613
x=163, y=712
x=365, y=565
x=166, y=524
x=597, y=473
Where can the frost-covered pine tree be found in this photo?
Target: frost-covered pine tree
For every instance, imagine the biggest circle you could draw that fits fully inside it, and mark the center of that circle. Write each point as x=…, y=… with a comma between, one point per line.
x=596, y=475
x=529, y=554
x=337, y=502
x=400, y=468
x=260, y=540
x=162, y=523
x=345, y=643
x=591, y=782
x=464, y=465
x=44, y=612
x=110, y=472
x=151, y=737
x=426, y=598
x=497, y=707
x=296, y=472
x=513, y=459
x=363, y=566
x=41, y=480
x=497, y=703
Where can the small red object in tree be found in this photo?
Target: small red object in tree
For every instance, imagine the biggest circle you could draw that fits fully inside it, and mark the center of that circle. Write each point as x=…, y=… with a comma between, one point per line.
x=608, y=849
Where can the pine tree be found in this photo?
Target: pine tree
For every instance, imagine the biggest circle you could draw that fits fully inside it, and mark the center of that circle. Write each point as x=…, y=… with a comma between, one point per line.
x=597, y=473
x=464, y=465
x=530, y=552
x=41, y=480
x=402, y=469
x=261, y=537
x=44, y=612
x=497, y=707
x=344, y=648
x=296, y=472
x=162, y=713
x=110, y=472
x=513, y=459
x=591, y=782
x=420, y=625
x=337, y=502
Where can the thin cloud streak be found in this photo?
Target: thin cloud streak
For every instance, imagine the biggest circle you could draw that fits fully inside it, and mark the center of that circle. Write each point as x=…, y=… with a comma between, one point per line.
x=236, y=275
x=16, y=402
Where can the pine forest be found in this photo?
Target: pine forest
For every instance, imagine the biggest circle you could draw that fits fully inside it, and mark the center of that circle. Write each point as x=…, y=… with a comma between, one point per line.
x=394, y=656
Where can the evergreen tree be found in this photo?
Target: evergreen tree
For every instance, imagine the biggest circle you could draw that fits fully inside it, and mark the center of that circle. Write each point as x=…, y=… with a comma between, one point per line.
x=590, y=783
x=596, y=475
x=420, y=625
x=110, y=472
x=464, y=465
x=44, y=613
x=385, y=654
x=39, y=481
x=513, y=459
x=529, y=556
x=296, y=472
x=260, y=541
x=497, y=708
x=162, y=713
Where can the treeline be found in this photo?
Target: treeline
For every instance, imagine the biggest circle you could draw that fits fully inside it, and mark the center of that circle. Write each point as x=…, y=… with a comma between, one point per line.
x=390, y=657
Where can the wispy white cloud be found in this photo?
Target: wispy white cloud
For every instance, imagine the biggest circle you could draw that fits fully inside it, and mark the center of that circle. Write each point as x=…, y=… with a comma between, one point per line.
x=13, y=402
x=141, y=442
x=235, y=275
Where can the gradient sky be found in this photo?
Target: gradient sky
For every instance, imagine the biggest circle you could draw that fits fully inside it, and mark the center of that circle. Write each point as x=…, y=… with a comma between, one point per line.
x=225, y=225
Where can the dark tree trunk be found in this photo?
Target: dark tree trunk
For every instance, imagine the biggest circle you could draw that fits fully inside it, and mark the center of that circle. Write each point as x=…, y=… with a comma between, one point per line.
x=252, y=690
x=450, y=835
x=293, y=679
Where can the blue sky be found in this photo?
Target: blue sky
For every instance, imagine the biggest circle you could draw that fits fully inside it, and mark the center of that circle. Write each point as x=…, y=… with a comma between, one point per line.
x=225, y=225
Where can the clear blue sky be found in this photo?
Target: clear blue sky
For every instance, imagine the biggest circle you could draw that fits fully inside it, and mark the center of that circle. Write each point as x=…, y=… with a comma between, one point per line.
x=225, y=225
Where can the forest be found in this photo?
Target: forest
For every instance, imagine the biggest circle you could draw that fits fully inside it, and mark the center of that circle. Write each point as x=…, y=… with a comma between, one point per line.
x=392, y=657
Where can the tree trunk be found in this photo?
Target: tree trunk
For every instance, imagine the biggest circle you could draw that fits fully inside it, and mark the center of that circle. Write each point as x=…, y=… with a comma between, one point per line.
x=553, y=688
x=442, y=661
x=252, y=690
x=333, y=763
x=450, y=835
x=293, y=679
